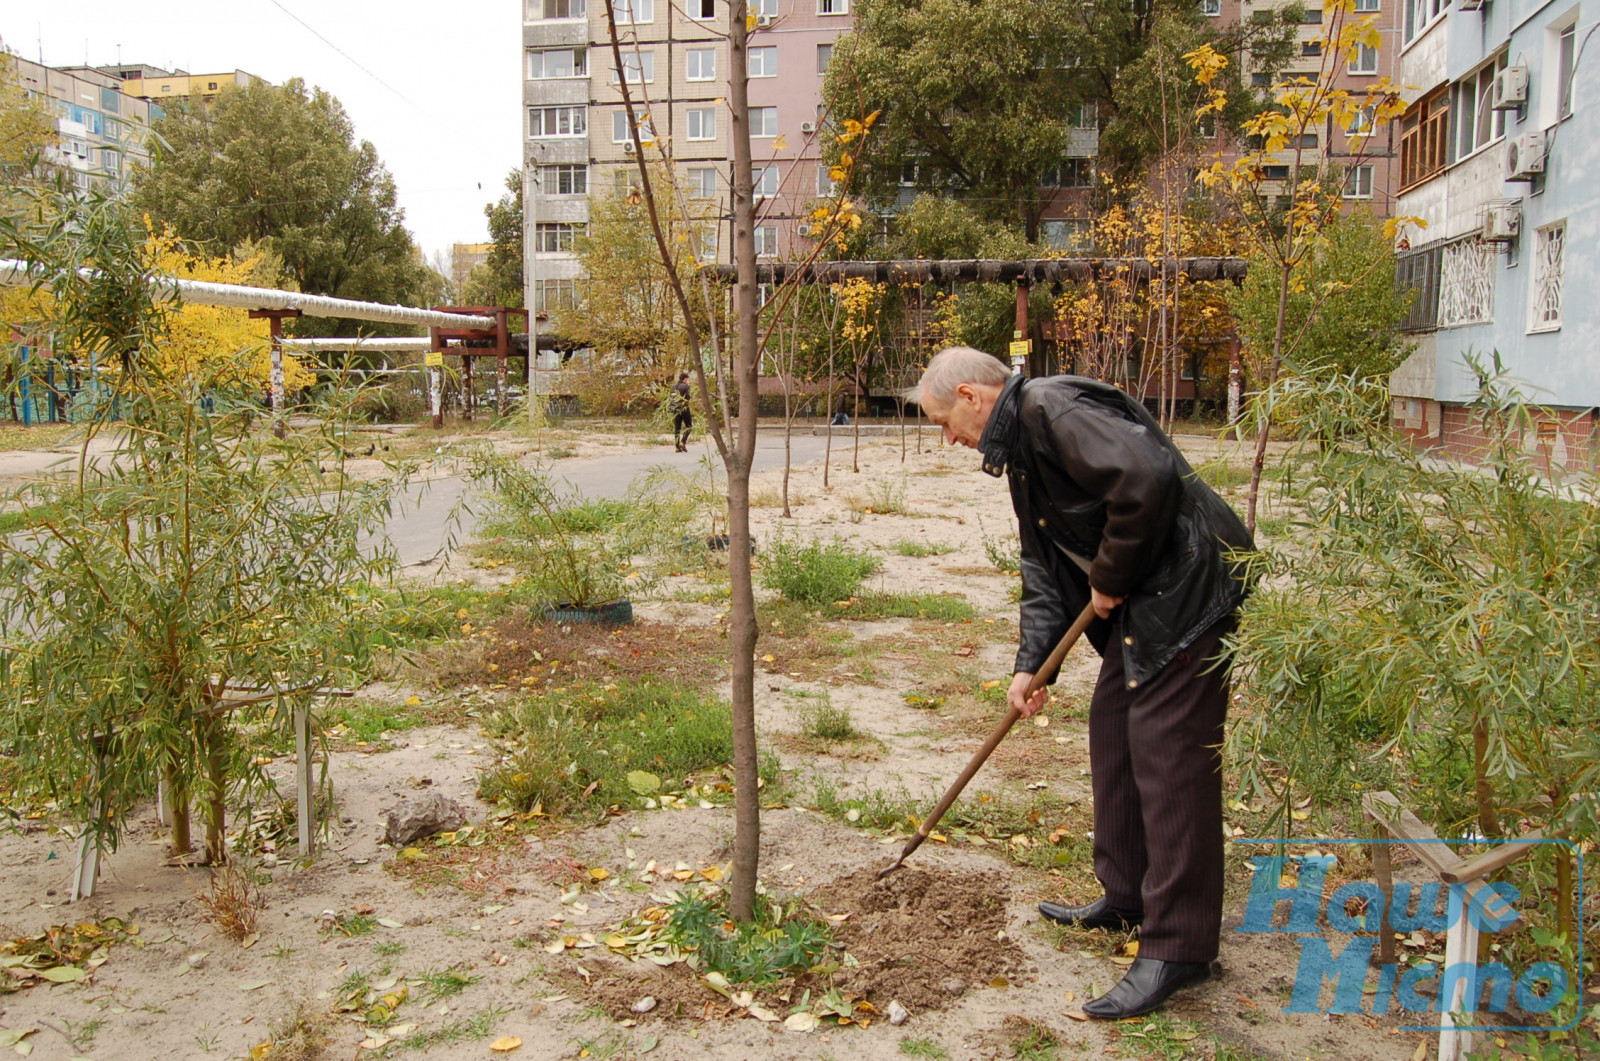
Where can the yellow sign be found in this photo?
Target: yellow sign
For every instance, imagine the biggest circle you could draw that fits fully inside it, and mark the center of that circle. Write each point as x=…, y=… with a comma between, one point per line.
x=1021, y=347
x=434, y=359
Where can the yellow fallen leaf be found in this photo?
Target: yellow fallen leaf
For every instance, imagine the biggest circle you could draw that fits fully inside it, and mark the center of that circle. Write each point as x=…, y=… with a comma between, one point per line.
x=1422, y=1051
x=599, y=874
x=769, y=658
x=505, y=1044
x=1299, y=815
x=413, y=701
x=1131, y=948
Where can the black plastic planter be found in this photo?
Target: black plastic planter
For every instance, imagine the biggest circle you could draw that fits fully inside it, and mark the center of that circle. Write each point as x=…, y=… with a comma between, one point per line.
x=617, y=613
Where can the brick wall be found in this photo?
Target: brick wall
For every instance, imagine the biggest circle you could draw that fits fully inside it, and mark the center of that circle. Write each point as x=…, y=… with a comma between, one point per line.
x=1566, y=439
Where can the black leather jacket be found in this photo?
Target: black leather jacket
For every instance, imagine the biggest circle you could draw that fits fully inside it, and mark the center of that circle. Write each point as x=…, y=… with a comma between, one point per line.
x=1092, y=475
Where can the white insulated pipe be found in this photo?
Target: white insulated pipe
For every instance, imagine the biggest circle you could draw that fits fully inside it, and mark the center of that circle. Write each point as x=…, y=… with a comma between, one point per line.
x=208, y=294
x=379, y=344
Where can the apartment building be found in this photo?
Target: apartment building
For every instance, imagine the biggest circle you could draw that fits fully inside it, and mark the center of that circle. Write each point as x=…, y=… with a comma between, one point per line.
x=154, y=84
x=101, y=128
x=576, y=139
x=465, y=257
x=1498, y=144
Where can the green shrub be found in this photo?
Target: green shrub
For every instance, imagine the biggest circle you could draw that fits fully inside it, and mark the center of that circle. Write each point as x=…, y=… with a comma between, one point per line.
x=559, y=743
x=390, y=403
x=920, y=549
x=945, y=607
x=1004, y=553
x=826, y=722
x=817, y=572
x=777, y=942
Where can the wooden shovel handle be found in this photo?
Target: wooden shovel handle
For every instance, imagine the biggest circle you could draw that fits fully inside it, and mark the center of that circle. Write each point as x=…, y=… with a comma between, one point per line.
x=1040, y=678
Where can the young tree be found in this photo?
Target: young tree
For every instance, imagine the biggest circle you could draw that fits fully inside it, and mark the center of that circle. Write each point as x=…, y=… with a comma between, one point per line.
x=280, y=168
x=1287, y=234
x=498, y=281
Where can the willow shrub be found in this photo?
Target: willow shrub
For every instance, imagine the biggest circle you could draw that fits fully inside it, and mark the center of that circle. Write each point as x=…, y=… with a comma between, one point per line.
x=1432, y=627
x=200, y=553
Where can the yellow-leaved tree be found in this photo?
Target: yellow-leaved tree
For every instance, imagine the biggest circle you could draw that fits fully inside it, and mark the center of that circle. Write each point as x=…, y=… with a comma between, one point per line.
x=199, y=337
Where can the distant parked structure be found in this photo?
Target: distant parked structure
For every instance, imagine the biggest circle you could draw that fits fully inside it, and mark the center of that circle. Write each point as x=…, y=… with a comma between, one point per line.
x=1498, y=152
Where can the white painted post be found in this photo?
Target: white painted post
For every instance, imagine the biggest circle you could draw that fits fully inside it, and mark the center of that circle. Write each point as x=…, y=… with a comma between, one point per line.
x=163, y=803
x=1460, y=947
x=306, y=808
x=436, y=392
x=87, y=868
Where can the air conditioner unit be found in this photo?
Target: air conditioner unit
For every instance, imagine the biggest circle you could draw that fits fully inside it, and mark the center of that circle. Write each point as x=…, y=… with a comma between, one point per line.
x=1525, y=157
x=628, y=148
x=803, y=228
x=1502, y=222
x=808, y=127
x=1510, y=88
x=763, y=21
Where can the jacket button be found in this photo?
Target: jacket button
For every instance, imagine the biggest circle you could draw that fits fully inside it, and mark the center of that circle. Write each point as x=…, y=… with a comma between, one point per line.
x=1042, y=522
x=1127, y=641
x=1132, y=684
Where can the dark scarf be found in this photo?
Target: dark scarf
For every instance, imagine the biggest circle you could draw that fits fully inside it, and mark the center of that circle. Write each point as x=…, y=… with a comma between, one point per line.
x=1000, y=434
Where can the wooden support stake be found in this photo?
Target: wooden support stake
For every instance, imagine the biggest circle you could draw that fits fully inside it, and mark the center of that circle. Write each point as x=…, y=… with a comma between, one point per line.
x=1381, y=869
x=274, y=318
x=1460, y=947
x=305, y=816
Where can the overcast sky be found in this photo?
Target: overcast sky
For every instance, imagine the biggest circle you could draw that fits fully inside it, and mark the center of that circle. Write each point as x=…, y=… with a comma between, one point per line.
x=446, y=122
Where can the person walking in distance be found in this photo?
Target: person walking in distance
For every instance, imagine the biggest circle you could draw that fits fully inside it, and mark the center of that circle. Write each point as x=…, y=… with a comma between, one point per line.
x=1110, y=513
x=682, y=413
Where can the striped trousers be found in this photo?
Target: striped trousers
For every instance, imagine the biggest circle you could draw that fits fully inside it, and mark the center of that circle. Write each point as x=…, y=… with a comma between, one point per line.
x=1154, y=753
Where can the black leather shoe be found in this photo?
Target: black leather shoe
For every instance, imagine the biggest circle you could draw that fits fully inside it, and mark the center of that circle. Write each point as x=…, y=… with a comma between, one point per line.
x=1148, y=983
x=1098, y=914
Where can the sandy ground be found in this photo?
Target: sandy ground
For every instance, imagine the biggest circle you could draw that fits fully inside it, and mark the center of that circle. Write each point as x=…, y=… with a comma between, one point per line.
x=153, y=998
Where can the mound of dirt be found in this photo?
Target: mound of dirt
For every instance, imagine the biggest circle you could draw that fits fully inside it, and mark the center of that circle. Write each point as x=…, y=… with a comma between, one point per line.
x=921, y=938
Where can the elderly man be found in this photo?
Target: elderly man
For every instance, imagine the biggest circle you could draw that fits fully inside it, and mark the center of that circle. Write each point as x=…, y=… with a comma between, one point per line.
x=1110, y=513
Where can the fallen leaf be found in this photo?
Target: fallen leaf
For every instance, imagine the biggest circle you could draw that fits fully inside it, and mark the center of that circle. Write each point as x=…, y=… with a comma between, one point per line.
x=1422, y=1051
x=1131, y=948
x=1075, y=1014
x=647, y=1044
x=598, y=874
x=250, y=941
x=253, y=985
x=643, y=782
x=389, y=922
x=505, y=1044
x=1071, y=996
x=63, y=974
x=413, y=701
x=999, y=982
x=761, y=1013
x=801, y=1022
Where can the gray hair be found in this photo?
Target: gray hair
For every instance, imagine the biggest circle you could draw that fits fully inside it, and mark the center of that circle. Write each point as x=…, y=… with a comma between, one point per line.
x=954, y=366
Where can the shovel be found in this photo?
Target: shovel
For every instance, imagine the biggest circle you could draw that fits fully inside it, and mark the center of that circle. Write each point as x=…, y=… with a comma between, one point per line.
x=1043, y=675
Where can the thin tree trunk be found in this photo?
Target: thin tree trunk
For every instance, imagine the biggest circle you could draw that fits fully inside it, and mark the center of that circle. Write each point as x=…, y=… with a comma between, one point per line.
x=1488, y=815
x=743, y=631
x=178, y=798
x=212, y=746
x=827, y=446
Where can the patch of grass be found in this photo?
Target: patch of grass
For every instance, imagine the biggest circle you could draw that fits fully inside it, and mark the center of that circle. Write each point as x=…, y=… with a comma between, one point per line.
x=300, y=1035
x=352, y=924
x=407, y=617
x=815, y=573
x=923, y=1048
x=388, y=948
x=1274, y=526
x=945, y=607
x=471, y=1029
x=1222, y=475
x=232, y=903
x=1004, y=553
x=557, y=453
x=779, y=941
x=367, y=720
x=35, y=436
x=919, y=549
x=823, y=721
x=1159, y=1036
x=574, y=746
x=884, y=498
x=1031, y=1040
x=442, y=983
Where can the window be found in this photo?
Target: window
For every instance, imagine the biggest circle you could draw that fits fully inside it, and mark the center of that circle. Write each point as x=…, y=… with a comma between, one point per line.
x=1072, y=173
x=1261, y=80
x=1211, y=7
x=1312, y=17
x=1366, y=7
x=1311, y=48
x=703, y=183
x=1085, y=116
x=1068, y=234
x=639, y=67
x=1207, y=126
x=764, y=181
x=1360, y=122
x=1275, y=173
x=702, y=64
x=825, y=184
x=554, y=237
x=766, y=241
x=1549, y=251
x=635, y=11
x=554, y=294
x=1418, y=271
x=111, y=159
x=548, y=122
x=1358, y=182
x=1564, y=69
x=702, y=123
x=763, y=62
x=622, y=131
x=564, y=180
x=702, y=9
x=1466, y=283
x=1363, y=59
x=542, y=9
x=824, y=53
x=558, y=62
x=769, y=8
x=705, y=236
x=211, y=86
x=1477, y=122
x=1304, y=140
x=833, y=7
x=763, y=121
x=113, y=129
x=1424, y=138
x=1420, y=14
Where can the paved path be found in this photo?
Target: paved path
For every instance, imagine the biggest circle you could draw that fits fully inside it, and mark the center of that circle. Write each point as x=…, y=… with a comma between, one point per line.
x=420, y=524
